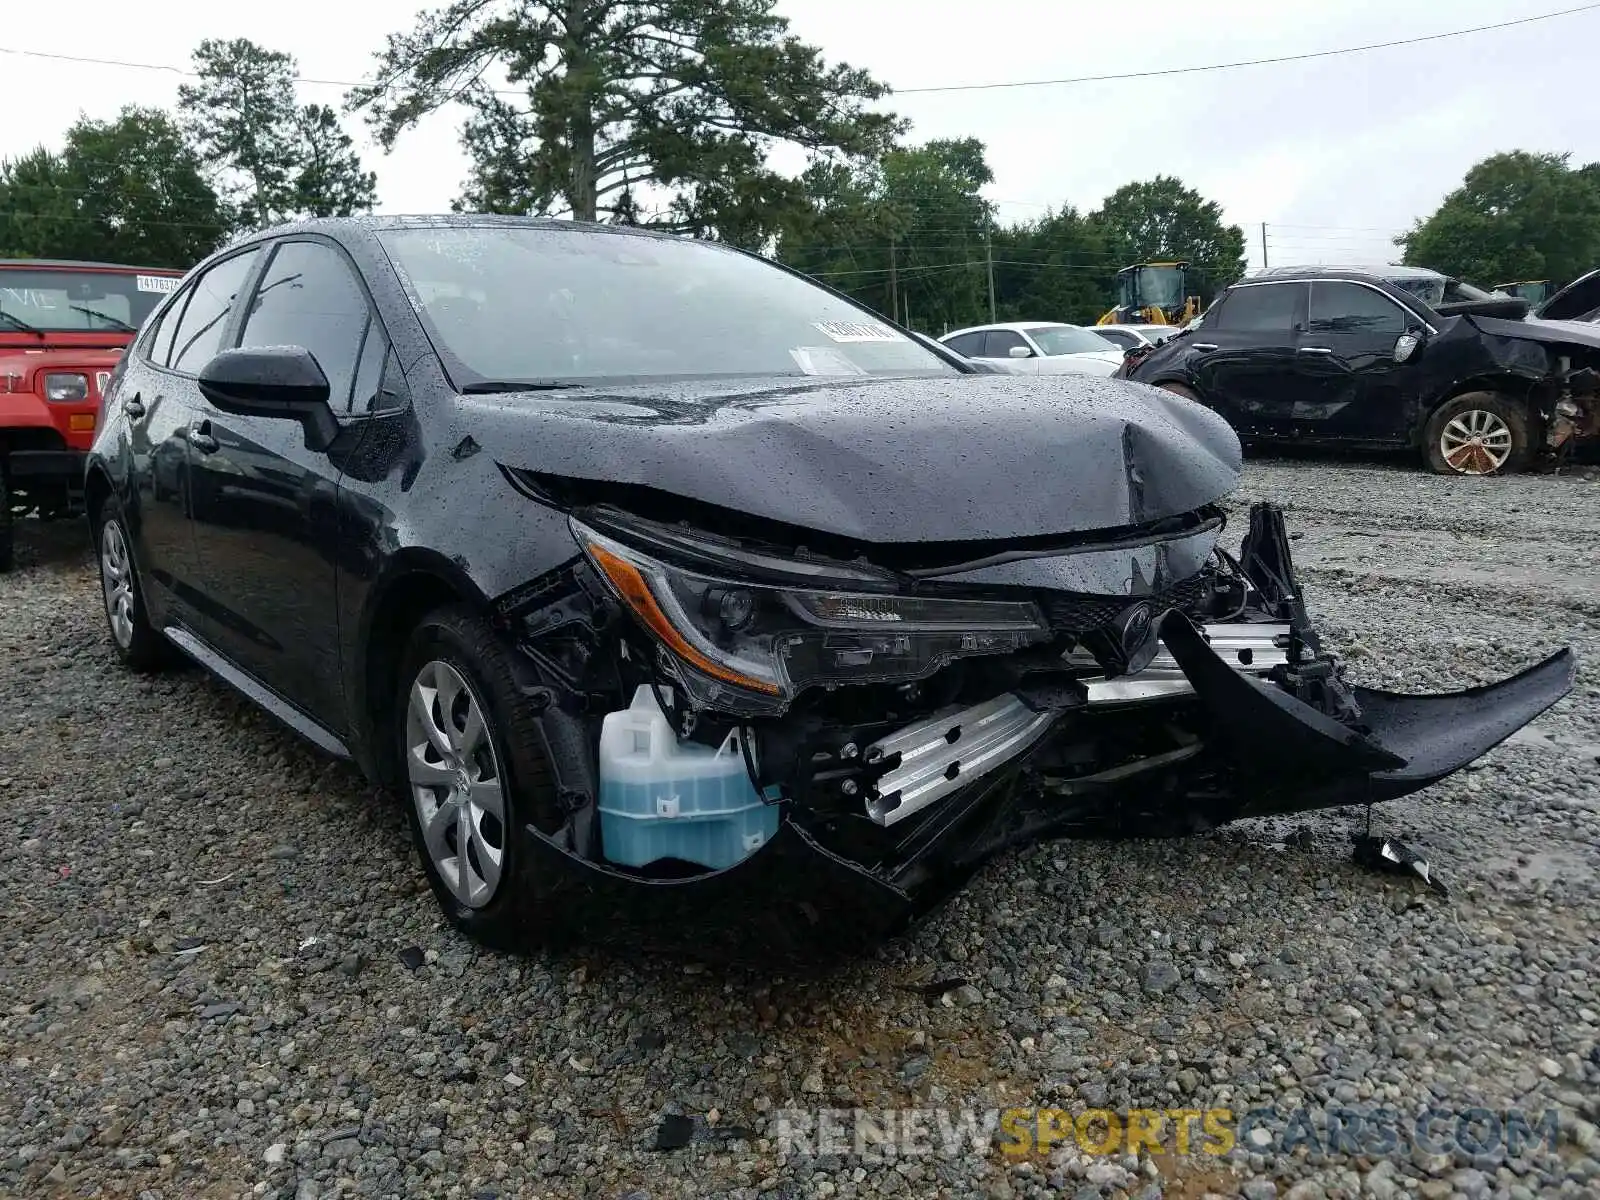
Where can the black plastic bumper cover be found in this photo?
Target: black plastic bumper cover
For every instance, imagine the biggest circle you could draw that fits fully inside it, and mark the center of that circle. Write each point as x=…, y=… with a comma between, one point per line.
x=1291, y=758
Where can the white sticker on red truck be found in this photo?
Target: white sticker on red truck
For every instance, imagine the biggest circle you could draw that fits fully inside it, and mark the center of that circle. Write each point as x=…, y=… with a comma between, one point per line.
x=160, y=284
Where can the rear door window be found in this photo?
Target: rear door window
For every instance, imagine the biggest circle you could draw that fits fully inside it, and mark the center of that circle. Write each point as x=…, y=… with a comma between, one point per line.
x=968, y=345
x=205, y=316
x=998, y=342
x=1258, y=308
x=156, y=342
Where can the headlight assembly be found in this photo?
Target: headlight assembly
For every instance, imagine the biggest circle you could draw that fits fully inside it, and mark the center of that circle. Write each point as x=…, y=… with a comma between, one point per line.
x=64, y=386
x=750, y=645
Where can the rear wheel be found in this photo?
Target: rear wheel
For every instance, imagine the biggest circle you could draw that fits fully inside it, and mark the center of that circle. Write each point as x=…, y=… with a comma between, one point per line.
x=137, y=643
x=1480, y=433
x=473, y=774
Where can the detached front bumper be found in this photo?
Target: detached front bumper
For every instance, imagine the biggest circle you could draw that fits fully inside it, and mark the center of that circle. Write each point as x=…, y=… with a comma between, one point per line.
x=1289, y=756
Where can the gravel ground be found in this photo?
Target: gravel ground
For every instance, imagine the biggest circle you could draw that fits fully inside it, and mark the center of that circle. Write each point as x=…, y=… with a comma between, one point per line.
x=222, y=974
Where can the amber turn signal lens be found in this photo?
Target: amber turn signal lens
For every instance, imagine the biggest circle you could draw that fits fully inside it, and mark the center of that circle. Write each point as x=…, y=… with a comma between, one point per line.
x=80, y=422
x=633, y=589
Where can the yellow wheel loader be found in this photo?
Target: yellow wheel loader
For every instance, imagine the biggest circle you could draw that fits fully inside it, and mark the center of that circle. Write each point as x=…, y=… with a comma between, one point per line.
x=1153, y=293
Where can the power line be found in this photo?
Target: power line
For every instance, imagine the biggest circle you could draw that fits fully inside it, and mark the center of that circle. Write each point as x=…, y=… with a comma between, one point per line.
x=1250, y=62
x=948, y=87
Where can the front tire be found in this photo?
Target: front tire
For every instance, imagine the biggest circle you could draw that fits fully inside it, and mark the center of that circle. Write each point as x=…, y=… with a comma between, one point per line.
x=1479, y=433
x=472, y=773
x=138, y=644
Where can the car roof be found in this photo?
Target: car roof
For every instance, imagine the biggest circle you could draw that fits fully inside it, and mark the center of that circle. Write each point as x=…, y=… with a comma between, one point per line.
x=1354, y=274
x=59, y=264
x=1380, y=270
x=1014, y=326
x=334, y=226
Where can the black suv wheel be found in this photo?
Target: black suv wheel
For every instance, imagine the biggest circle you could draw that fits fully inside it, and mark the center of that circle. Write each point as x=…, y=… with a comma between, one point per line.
x=1479, y=433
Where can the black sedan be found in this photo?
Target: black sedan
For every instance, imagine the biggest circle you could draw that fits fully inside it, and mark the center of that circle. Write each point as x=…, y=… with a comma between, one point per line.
x=682, y=600
x=1346, y=358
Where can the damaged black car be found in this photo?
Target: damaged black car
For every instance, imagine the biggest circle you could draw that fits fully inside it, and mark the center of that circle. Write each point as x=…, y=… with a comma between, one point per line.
x=1319, y=356
x=687, y=603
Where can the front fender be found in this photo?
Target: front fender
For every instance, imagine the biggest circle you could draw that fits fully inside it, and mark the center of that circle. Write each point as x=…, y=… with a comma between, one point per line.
x=24, y=410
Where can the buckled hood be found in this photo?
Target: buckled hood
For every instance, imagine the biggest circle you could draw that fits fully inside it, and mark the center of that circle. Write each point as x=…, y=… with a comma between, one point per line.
x=1552, y=333
x=900, y=460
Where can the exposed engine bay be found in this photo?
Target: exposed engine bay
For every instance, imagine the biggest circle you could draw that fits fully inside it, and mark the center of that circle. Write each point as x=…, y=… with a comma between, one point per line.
x=905, y=715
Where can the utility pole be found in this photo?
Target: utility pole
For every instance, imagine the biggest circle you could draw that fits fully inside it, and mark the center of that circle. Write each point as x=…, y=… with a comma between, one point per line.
x=894, y=288
x=1263, y=243
x=988, y=255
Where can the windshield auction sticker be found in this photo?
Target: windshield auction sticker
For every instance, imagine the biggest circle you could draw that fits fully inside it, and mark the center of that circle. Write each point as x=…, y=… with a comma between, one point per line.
x=858, y=331
x=160, y=284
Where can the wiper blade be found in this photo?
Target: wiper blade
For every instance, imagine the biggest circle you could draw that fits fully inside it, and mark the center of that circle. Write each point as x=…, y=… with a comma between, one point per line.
x=115, y=322
x=484, y=387
x=19, y=323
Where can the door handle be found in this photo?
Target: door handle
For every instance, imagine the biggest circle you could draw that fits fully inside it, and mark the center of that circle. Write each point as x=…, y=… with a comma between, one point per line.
x=133, y=407
x=200, y=438
x=1315, y=350
x=1202, y=345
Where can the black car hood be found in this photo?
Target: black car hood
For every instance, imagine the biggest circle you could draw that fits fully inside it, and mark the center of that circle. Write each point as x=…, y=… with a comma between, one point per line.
x=955, y=458
x=1572, y=333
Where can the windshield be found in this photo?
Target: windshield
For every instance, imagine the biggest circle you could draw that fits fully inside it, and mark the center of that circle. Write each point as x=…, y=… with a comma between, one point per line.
x=580, y=305
x=83, y=301
x=1145, y=286
x=1068, y=339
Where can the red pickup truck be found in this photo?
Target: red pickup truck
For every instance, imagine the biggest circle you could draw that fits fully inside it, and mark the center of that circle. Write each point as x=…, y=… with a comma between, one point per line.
x=63, y=327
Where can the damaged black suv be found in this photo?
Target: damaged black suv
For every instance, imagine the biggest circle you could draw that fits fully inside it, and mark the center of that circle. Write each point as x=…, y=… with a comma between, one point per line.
x=1324, y=356
x=683, y=600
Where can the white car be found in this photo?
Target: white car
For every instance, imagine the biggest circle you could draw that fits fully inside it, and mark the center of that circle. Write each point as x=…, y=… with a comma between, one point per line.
x=1129, y=336
x=1038, y=348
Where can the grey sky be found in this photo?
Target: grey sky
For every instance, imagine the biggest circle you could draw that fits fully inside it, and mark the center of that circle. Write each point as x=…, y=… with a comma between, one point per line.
x=1335, y=154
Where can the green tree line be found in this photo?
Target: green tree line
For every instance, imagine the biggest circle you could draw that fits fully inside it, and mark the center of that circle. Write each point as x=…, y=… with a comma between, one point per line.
x=665, y=113
x=164, y=189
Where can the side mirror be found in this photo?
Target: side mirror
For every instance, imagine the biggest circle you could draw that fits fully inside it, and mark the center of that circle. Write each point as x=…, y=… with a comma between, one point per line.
x=285, y=382
x=1406, y=345
x=1020, y=352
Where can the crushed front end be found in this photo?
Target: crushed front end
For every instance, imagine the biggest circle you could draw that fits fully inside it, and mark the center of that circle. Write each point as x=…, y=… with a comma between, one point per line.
x=806, y=745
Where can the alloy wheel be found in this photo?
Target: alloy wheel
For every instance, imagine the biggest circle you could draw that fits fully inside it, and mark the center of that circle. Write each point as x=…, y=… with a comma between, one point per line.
x=1476, y=442
x=116, y=580
x=456, y=783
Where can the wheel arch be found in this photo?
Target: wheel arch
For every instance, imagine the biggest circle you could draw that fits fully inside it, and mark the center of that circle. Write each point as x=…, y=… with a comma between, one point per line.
x=1502, y=383
x=415, y=583
x=97, y=488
